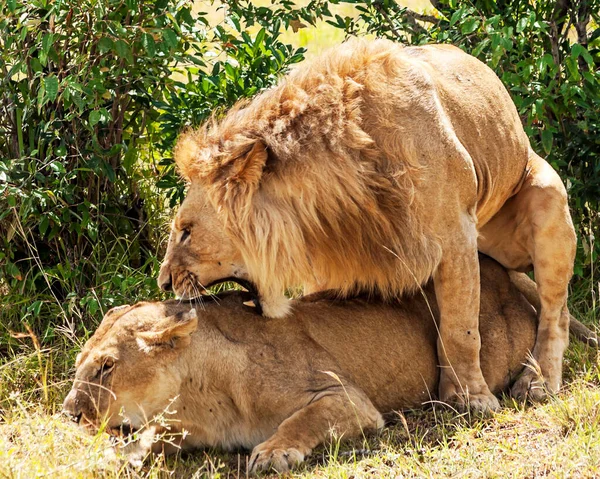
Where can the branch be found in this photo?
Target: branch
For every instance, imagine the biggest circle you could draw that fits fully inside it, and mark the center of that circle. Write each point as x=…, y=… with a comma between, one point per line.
x=582, y=18
x=422, y=17
x=411, y=17
x=381, y=10
x=557, y=22
x=581, y=23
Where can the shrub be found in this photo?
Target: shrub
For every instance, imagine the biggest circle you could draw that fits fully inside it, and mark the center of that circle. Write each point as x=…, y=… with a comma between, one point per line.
x=77, y=122
x=547, y=55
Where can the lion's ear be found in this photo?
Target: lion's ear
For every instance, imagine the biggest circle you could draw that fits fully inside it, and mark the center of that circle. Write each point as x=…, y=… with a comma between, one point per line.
x=186, y=154
x=174, y=332
x=247, y=167
x=241, y=165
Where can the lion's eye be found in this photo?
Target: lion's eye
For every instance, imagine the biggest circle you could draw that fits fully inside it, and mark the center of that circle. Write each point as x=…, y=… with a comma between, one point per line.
x=185, y=235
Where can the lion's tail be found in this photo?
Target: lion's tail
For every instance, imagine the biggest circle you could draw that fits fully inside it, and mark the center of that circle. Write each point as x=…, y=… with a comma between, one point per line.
x=528, y=288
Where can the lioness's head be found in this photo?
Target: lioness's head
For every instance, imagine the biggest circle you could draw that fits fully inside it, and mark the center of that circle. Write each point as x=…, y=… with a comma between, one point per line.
x=130, y=361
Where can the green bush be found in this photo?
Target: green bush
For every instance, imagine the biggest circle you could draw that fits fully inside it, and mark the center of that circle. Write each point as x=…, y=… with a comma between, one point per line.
x=94, y=93
x=78, y=208
x=92, y=99
x=547, y=54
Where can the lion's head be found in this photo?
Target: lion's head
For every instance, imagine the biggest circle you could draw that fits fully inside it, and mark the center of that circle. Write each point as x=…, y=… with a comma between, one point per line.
x=132, y=359
x=199, y=252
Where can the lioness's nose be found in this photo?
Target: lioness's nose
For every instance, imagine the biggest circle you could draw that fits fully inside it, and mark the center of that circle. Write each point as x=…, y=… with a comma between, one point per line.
x=165, y=280
x=71, y=406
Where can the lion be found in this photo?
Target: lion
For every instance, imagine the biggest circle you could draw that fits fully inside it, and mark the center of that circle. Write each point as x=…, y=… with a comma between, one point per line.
x=221, y=376
x=374, y=168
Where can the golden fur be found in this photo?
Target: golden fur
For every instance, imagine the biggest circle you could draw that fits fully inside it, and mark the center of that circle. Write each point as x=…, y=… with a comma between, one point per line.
x=231, y=379
x=375, y=168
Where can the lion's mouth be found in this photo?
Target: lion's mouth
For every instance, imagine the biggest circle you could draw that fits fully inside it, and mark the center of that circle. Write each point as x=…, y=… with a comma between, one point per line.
x=244, y=283
x=190, y=288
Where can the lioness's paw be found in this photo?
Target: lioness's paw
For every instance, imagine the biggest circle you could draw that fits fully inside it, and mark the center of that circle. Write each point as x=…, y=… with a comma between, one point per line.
x=530, y=387
x=482, y=403
x=267, y=457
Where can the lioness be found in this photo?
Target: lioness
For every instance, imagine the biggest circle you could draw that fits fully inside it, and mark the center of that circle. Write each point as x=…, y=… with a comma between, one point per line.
x=231, y=379
x=376, y=167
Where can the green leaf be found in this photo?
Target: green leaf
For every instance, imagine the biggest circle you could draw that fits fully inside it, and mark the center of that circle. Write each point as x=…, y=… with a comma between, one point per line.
x=260, y=36
x=105, y=44
x=579, y=50
x=51, y=86
x=547, y=139
x=47, y=41
x=36, y=66
x=186, y=16
x=12, y=269
x=573, y=68
x=149, y=44
x=124, y=51
x=470, y=25
x=44, y=222
x=129, y=160
x=456, y=15
x=94, y=118
x=170, y=37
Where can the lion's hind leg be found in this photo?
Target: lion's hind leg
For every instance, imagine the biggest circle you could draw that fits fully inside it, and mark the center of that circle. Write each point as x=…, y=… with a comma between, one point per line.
x=534, y=228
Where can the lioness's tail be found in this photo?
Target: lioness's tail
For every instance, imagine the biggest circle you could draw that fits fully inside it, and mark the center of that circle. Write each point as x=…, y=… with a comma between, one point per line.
x=528, y=288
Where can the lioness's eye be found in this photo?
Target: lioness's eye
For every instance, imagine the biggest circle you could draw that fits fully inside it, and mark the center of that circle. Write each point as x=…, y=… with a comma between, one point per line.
x=185, y=235
x=107, y=366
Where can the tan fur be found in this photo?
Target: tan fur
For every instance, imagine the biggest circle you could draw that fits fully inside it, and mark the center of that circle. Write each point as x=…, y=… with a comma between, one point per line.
x=375, y=168
x=231, y=379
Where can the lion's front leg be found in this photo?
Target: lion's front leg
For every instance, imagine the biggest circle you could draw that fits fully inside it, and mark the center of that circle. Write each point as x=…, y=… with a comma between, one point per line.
x=457, y=290
x=274, y=305
x=346, y=412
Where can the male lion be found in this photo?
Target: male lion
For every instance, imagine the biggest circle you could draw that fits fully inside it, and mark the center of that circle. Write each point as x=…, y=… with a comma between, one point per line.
x=231, y=379
x=374, y=168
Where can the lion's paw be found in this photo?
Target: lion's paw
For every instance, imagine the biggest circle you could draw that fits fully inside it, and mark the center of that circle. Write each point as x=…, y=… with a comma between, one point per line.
x=530, y=387
x=478, y=403
x=267, y=457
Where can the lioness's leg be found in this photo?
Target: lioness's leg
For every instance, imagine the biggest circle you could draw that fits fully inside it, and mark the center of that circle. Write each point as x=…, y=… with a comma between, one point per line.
x=457, y=290
x=347, y=413
x=534, y=228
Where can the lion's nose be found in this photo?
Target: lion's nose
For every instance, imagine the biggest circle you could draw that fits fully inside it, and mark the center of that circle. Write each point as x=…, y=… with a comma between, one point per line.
x=167, y=284
x=165, y=279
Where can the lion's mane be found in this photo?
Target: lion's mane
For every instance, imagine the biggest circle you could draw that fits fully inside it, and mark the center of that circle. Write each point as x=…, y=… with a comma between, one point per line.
x=304, y=190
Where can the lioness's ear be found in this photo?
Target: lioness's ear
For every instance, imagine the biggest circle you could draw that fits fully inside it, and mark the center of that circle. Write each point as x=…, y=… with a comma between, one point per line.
x=175, y=334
